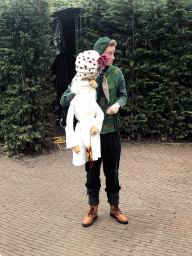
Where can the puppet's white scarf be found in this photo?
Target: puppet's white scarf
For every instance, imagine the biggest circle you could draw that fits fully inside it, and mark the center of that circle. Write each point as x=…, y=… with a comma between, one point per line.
x=85, y=100
x=83, y=88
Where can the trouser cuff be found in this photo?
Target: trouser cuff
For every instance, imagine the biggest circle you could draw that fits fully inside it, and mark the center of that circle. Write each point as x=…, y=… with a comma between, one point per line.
x=93, y=195
x=113, y=198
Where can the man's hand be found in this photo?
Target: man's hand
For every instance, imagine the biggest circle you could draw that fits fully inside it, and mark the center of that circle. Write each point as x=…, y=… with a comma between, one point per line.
x=76, y=149
x=94, y=130
x=113, y=109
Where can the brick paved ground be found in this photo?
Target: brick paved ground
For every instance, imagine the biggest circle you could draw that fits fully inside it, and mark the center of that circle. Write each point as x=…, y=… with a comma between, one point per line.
x=43, y=201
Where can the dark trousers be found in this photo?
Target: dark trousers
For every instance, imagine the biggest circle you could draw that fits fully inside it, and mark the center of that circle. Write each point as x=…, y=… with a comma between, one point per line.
x=110, y=156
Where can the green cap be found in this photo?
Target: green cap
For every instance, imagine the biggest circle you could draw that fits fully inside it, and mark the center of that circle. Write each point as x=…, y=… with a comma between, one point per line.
x=101, y=44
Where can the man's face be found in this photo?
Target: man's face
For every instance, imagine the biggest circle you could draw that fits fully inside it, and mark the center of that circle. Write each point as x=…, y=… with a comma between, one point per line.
x=110, y=50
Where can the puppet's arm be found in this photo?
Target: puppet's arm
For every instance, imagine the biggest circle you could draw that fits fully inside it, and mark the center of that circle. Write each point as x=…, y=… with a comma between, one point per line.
x=71, y=140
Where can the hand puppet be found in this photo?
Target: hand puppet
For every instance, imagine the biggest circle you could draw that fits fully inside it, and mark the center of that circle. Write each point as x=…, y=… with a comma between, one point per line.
x=85, y=139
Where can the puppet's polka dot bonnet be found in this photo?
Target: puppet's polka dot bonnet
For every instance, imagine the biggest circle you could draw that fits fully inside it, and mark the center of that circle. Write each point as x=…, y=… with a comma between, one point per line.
x=86, y=64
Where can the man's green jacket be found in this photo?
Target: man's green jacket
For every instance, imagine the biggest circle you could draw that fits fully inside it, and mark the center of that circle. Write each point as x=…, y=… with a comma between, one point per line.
x=117, y=94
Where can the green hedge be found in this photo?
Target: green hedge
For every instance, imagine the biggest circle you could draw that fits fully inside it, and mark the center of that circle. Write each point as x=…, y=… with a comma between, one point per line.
x=26, y=85
x=155, y=54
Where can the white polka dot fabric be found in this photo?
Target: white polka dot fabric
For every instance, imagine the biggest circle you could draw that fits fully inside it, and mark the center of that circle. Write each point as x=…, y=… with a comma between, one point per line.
x=86, y=64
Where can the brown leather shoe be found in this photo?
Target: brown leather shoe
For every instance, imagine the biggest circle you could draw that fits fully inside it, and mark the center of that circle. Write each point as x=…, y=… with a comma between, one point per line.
x=90, y=216
x=118, y=214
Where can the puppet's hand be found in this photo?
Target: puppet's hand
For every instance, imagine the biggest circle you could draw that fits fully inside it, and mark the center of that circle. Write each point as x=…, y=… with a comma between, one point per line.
x=94, y=130
x=76, y=149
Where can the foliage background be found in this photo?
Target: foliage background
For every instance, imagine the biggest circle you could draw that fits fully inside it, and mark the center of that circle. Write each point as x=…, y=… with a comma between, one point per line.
x=154, y=52
x=26, y=85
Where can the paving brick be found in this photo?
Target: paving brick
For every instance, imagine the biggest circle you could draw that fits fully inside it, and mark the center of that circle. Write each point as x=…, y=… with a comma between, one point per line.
x=43, y=202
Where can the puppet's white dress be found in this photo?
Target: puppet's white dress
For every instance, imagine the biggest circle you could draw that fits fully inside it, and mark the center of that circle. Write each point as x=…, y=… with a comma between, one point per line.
x=85, y=109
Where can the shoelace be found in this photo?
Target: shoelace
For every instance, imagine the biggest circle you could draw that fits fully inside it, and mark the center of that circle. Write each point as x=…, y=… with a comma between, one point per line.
x=117, y=210
x=91, y=211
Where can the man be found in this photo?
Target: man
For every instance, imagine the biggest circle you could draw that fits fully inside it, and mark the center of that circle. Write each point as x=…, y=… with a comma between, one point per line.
x=111, y=96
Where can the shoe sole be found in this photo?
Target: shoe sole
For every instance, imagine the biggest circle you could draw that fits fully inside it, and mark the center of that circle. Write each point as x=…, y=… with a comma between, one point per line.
x=88, y=225
x=122, y=222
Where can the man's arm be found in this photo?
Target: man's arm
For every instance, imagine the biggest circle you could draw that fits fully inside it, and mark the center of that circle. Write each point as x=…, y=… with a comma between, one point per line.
x=121, y=95
x=121, y=92
x=67, y=97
